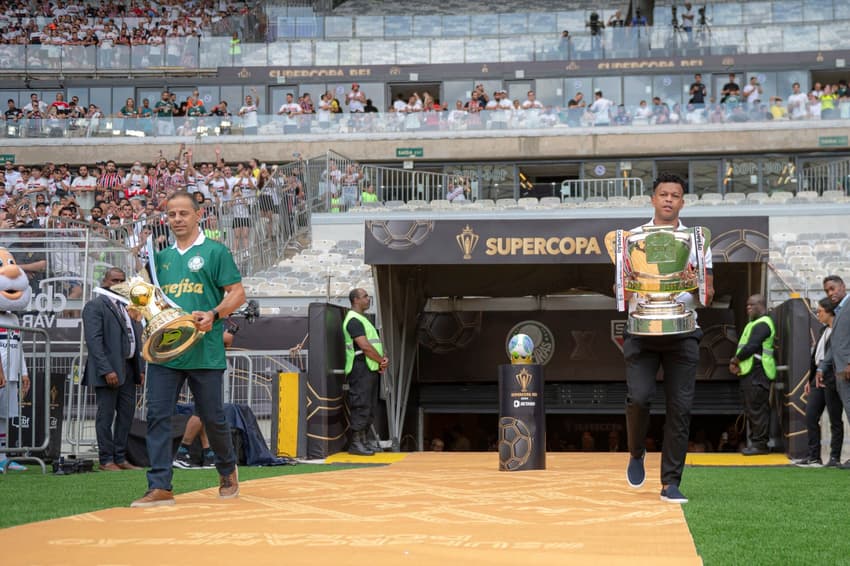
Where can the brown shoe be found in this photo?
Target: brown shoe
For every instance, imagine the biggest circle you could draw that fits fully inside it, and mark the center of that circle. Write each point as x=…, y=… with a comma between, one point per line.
x=110, y=467
x=125, y=465
x=155, y=498
x=228, y=486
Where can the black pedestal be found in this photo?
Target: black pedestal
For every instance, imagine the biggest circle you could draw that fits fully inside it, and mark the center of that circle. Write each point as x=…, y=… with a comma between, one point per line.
x=522, y=418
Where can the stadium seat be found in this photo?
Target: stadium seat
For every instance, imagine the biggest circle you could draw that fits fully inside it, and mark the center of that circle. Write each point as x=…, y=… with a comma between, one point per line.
x=735, y=198
x=757, y=198
x=528, y=202
x=550, y=202
x=780, y=196
x=711, y=199
x=505, y=202
x=642, y=200
x=833, y=196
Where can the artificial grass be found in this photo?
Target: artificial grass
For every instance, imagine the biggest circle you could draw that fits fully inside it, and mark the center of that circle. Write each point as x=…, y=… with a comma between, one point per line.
x=773, y=515
x=30, y=496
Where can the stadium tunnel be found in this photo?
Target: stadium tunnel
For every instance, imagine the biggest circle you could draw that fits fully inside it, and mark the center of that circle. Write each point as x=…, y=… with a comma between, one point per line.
x=451, y=292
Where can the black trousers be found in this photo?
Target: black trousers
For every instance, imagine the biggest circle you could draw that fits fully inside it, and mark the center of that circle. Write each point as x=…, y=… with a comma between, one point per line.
x=362, y=395
x=755, y=390
x=820, y=398
x=116, y=405
x=678, y=356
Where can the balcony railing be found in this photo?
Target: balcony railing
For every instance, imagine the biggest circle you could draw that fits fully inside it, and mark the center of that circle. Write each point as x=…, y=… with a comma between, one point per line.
x=181, y=54
x=554, y=118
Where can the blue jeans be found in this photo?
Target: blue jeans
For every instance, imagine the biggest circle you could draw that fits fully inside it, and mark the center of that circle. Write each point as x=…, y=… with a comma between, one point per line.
x=163, y=386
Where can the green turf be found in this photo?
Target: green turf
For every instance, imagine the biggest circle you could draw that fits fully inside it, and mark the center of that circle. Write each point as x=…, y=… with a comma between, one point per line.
x=29, y=496
x=772, y=515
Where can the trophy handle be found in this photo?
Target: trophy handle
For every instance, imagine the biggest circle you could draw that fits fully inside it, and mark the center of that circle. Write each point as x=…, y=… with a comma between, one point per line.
x=619, y=269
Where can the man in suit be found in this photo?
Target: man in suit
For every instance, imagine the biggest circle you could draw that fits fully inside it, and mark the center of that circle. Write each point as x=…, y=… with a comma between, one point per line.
x=114, y=367
x=838, y=357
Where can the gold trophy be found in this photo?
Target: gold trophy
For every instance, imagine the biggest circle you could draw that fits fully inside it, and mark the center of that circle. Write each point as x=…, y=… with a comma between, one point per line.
x=655, y=264
x=169, y=330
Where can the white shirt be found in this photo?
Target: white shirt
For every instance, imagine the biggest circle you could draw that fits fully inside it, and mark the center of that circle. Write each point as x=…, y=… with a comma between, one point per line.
x=249, y=116
x=798, y=105
x=752, y=93
x=600, y=108
x=355, y=101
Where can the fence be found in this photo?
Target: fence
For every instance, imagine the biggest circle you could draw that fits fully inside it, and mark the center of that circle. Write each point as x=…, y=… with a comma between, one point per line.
x=27, y=401
x=248, y=380
x=833, y=176
x=595, y=188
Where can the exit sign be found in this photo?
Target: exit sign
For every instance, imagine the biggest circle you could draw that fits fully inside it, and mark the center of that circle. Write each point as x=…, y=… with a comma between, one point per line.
x=404, y=152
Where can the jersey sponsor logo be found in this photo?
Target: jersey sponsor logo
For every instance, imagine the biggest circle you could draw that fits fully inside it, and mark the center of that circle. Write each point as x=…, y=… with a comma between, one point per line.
x=196, y=263
x=186, y=286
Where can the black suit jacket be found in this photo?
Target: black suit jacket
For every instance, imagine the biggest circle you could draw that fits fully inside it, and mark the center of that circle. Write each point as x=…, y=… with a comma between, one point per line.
x=108, y=345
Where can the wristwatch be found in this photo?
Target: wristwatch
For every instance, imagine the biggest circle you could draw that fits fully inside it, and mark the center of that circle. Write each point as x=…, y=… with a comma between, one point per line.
x=216, y=315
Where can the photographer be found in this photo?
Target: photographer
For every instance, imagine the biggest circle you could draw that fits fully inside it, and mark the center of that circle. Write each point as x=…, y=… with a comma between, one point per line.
x=753, y=91
x=596, y=26
x=688, y=21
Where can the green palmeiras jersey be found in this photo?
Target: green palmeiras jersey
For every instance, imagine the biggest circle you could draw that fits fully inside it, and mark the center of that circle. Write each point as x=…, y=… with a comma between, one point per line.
x=195, y=279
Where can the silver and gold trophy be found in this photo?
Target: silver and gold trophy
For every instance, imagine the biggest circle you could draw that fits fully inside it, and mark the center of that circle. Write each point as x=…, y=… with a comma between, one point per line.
x=656, y=265
x=169, y=330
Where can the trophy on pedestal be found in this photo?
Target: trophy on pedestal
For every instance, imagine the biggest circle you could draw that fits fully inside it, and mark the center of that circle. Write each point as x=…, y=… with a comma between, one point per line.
x=655, y=264
x=169, y=330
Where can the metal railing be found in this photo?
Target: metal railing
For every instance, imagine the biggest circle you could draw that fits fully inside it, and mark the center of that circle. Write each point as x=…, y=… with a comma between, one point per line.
x=375, y=47
x=601, y=188
x=554, y=118
x=248, y=380
x=831, y=176
x=26, y=423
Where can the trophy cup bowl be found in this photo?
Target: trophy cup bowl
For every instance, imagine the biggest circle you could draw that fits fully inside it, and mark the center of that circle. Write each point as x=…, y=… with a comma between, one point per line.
x=656, y=267
x=169, y=331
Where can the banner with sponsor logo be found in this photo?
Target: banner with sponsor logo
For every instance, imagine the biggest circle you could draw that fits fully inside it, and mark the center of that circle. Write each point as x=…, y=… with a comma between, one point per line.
x=539, y=241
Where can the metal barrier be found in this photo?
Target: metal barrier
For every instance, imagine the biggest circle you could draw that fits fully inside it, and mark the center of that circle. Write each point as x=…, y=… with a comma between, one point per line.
x=831, y=176
x=248, y=380
x=25, y=424
x=597, y=188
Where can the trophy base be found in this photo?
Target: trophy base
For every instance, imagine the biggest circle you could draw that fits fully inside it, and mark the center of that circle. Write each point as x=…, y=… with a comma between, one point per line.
x=661, y=319
x=168, y=335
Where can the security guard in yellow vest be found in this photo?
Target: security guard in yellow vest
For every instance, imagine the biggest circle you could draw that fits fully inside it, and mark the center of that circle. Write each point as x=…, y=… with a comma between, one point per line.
x=364, y=360
x=368, y=194
x=755, y=363
x=336, y=203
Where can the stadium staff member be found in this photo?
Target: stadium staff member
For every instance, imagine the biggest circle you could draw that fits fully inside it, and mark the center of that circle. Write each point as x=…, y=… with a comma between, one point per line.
x=678, y=354
x=200, y=276
x=754, y=362
x=114, y=367
x=364, y=359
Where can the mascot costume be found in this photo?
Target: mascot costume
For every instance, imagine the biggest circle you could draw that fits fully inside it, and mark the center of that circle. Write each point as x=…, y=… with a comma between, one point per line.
x=15, y=294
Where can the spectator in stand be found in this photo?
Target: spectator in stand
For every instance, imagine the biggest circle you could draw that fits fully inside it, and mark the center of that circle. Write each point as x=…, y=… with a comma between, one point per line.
x=698, y=91
x=290, y=110
x=753, y=91
x=601, y=109
x=458, y=190
x=164, y=115
x=249, y=113
x=814, y=106
x=531, y=102
x=622, y=118
x=83, y=188
x=777, y=111
x=729, y=88
x=109, y=181
x=370, y=108
x=60, y=104
x=798, y=103
x=35, y=106
x=355, y=99
x=829, y=103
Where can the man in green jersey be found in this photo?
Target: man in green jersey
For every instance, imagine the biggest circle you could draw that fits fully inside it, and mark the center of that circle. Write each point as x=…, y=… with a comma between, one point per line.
x=199, y=275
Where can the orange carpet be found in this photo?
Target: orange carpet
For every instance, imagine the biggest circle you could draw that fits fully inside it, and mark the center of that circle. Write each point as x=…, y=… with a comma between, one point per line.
x=431, y=508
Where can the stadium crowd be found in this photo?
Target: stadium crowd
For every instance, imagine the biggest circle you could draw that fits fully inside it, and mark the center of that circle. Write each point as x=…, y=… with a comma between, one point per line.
x=191, y=117
x=107, y=23
x=125, y=202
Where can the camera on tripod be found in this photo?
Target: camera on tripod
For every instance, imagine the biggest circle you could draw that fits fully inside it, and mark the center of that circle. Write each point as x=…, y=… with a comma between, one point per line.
x=702, y=19
x=674, y=22
x=595, y=24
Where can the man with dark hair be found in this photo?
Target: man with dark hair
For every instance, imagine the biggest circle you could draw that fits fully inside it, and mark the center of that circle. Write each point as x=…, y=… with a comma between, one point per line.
x=200, y=276
x=114, y=367
x=837, y=358
x=364, y=359
x=677, y=354
x=755, y=364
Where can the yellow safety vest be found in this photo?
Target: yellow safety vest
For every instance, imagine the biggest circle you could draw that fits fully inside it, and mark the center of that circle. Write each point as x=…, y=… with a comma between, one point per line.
x=368, y=197
x=768, y=361
x=235, y=47
x=335, y=204
x=371, y=335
